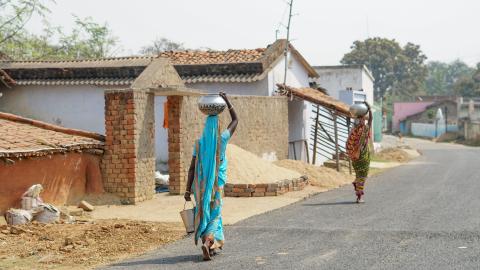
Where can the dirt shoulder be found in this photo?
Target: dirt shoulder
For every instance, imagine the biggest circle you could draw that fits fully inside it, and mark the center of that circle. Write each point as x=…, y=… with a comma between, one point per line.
x=81, y=246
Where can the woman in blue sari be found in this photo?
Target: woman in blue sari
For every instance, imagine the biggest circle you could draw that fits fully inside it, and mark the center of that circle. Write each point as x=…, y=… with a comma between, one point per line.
x=206, y=177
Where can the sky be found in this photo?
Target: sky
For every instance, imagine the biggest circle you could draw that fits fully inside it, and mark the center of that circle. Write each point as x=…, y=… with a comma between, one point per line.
x=322, y=31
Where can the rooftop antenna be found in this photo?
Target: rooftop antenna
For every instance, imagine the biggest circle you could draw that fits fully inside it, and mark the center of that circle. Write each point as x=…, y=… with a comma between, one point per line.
x=287, y=42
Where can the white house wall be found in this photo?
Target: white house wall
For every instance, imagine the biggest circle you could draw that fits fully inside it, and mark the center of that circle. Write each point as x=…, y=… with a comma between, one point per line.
x=79, y=107
x=299, y=111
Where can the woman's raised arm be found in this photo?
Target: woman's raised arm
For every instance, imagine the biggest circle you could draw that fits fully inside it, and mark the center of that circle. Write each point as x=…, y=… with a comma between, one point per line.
x=233, y=124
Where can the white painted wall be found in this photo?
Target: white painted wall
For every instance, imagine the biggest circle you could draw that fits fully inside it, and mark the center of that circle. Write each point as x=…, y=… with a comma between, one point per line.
x=299, y=111
x=335, y=79
x=79, y=107
x=297, y=75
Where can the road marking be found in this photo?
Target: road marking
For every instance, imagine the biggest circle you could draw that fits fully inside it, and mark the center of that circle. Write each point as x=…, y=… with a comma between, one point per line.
x=462, y=247
x=282, y=253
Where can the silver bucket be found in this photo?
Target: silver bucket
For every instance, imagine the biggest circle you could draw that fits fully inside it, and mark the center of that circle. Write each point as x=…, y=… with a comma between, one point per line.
x=188, y=218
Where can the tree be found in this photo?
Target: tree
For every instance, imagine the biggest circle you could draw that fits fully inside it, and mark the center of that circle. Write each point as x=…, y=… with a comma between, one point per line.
x=442, y=76
x=87, y=39
x=161, y=45
x=469, y=85
x=14, y=15
x=397, y=70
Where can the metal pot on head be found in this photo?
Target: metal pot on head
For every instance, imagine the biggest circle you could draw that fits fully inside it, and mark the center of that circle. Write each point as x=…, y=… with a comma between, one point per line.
x=211, y=104
x=359, y=110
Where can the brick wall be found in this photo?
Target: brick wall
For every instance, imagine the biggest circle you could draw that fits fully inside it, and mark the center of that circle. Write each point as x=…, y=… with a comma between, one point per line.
x=262, y=129
x=128, y=165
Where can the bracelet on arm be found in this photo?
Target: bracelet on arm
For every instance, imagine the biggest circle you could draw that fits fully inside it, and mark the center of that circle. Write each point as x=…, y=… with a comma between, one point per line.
x=231, y=108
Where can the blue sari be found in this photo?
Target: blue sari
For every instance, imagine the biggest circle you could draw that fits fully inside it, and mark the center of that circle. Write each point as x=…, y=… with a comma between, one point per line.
x=209, y=179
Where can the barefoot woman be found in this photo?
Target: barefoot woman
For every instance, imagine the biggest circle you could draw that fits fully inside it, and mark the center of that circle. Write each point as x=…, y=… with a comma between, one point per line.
x=359, y=151
x=206, y=178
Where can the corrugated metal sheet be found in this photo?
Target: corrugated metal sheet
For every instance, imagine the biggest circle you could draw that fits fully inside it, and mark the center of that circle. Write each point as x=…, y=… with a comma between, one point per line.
x=87, y=63
x=96, y=81
x=233, y=78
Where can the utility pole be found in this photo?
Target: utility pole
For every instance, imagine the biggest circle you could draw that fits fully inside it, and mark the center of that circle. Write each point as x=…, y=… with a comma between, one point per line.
x=288, y=42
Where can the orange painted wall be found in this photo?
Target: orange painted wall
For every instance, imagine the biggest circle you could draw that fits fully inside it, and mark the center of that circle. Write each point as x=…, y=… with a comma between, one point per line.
x=66, y=178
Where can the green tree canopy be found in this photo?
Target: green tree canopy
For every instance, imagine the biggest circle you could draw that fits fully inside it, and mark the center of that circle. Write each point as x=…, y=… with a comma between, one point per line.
x=468, y=85
x=14, y=15
x=397, y=70
x=87, y=39
x=443, y=76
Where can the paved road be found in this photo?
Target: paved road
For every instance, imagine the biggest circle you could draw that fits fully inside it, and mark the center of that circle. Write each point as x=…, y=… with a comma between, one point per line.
x=424, y=215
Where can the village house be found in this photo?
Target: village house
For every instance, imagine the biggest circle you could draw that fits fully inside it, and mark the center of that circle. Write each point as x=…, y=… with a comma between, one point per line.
x=66, y=162
x=82, y=94
x=425, y=124
x=70, y=93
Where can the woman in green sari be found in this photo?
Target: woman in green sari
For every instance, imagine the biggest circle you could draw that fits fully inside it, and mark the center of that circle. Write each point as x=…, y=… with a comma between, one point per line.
x=207, y=177
x=358, y=149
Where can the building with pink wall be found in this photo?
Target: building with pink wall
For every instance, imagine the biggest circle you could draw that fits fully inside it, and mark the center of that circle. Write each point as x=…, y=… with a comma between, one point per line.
x=401, y=110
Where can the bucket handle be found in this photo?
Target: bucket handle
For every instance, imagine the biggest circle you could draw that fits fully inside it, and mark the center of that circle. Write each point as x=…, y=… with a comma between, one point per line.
x=185, y=205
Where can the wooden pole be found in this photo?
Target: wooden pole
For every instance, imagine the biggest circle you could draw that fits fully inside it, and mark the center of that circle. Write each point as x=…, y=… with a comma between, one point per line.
x=294, y=151
x=315, y=137
x=306, y=149
x=336, y=141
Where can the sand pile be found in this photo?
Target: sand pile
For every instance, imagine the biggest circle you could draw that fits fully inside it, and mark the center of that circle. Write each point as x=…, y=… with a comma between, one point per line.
x=317, y=175
x=247, y=168
x=392, y=154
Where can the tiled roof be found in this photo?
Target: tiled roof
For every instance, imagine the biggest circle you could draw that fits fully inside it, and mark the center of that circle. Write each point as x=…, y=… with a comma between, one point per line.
x=317, y=97
x=131, y=61
x=246, y=65
x=23, y=137
x=107, y=71
x=214, y=57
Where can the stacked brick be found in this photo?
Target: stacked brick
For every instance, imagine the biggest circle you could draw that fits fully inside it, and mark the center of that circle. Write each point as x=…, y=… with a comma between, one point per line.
x=262, y=190
x=128, y=165
x=259, y=131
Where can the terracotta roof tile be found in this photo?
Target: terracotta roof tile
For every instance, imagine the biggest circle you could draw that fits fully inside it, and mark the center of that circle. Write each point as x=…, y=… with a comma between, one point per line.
x=214, y=57
x=23, y=137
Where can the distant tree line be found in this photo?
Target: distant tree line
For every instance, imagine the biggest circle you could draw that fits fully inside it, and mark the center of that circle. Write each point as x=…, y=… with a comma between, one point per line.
x=402, y=72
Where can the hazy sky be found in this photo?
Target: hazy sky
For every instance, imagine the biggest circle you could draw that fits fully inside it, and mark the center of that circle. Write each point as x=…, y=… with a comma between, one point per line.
x=321, y=30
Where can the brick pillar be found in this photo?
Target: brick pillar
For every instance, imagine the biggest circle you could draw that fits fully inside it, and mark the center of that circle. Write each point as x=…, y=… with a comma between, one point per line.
x=176, y=166
x=128, y=165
